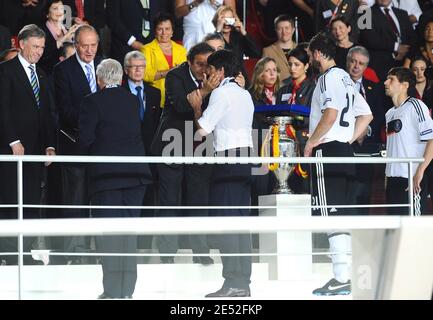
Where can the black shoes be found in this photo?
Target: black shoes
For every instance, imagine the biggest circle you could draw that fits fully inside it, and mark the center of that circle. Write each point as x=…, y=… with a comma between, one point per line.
x=104, y=296
x=334, y=287
x=229, y=292
x=203, y=260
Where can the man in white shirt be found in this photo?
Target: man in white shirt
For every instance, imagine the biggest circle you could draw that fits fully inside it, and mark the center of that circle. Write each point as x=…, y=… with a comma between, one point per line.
x=338, y=116
x=229, y=117
x=409, y=135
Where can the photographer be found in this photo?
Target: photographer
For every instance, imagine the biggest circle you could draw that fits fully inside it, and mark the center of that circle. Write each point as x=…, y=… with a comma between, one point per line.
x=235, y=36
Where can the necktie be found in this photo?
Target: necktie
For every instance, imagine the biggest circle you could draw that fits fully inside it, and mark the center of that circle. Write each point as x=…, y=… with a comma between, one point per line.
x=140, y=98
x=34, y=83
x=200, y=84
x=90, y=78
x=80, y=8
x=362, y=90
x=391, y=22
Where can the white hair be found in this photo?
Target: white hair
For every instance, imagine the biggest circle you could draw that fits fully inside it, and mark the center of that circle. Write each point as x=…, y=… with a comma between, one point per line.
x=133, y=55
x=110, y=72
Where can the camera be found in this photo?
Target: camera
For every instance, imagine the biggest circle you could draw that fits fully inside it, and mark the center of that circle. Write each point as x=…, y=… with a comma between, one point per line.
x=229, y=21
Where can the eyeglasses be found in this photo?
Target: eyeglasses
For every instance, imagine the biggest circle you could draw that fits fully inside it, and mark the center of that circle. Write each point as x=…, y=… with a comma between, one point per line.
x=141, y=66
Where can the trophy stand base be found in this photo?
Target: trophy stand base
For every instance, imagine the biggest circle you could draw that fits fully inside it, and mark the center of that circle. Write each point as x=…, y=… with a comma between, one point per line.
x=294, y=260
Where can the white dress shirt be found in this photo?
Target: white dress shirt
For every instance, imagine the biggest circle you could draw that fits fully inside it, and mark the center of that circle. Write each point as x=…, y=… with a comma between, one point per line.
x=229, y=116
x=83, y=66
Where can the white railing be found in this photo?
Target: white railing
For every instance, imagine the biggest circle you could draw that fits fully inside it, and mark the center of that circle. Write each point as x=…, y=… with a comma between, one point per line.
x=22, y=227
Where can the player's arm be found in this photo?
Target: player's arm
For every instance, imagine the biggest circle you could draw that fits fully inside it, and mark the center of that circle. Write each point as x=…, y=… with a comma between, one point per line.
x=361, y=125
x=329, y=116
x=363, y=116
x=419, y=174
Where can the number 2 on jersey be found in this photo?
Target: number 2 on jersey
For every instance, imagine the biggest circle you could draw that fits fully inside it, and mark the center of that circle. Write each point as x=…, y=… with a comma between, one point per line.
x=345, y=110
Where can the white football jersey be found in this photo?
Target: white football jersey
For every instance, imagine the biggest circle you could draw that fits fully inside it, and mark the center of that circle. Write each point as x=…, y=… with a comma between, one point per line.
x=335, y=89
x=408, y=128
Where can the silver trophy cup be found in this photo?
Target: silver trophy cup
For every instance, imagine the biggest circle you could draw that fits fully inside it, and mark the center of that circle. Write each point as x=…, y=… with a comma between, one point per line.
x=288, y=148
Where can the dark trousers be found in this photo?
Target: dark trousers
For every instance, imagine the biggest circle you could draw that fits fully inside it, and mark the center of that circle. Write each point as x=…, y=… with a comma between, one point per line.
x=74, y=192
x=331, y=184
x=119, y=273
x=396, y=194
x=188, y=182
x=231, y=186
x=32, y=177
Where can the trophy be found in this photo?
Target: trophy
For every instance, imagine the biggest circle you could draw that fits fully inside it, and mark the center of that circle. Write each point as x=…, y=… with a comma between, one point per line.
x=282, y=139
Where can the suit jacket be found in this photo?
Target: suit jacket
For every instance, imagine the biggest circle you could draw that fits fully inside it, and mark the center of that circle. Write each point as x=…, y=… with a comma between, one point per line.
x=5, y=38
x=275, y=52
x=110, y=126
x=151, y=115
x=177, y=109
x=71, y=87
x=155, y=60
x=376, y=100
x=51, y=54
x=380, y=39
x=20, y=117
x=125, y=19
x=94, y=12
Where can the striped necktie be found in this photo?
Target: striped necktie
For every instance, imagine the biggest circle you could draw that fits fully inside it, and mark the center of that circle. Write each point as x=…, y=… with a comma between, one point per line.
x=90, y=78
x=34, y=83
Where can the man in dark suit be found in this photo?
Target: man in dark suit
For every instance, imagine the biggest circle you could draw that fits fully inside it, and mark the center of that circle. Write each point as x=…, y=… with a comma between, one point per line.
x=129, y=23
x=150, y=111
x=389, y=38
x=74, y=78
x=5, y=38
x=177, y=122
x=110, y=126
x=134, y=67
x=90, y=11
x=369, y=142
x=26, y=127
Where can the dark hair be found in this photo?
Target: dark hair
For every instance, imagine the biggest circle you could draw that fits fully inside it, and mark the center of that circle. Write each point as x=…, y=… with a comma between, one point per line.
x=418, y=58
x=303, y=45
x=340, y=18
x=48, y=5
x=161, y=17
x=300, y=54
x=284, y=17
x=200, y=48
x=323, y=43
x=213, y=36
x=224, y=59
x=404, y=75
x=64, y=48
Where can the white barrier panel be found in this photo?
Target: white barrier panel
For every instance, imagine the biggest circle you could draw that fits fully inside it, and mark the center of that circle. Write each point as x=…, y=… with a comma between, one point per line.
x=291, y=261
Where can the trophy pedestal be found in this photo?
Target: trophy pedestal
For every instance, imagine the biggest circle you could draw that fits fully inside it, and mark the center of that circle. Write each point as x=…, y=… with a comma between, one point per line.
x=294, y=260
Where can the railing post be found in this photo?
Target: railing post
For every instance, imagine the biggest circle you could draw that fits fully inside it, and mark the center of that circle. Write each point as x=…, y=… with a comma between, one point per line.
x=20, y=217
x=410, y=194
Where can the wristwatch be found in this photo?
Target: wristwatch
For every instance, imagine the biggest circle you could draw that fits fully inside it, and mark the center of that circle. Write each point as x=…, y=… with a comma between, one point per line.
x=191, y=6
